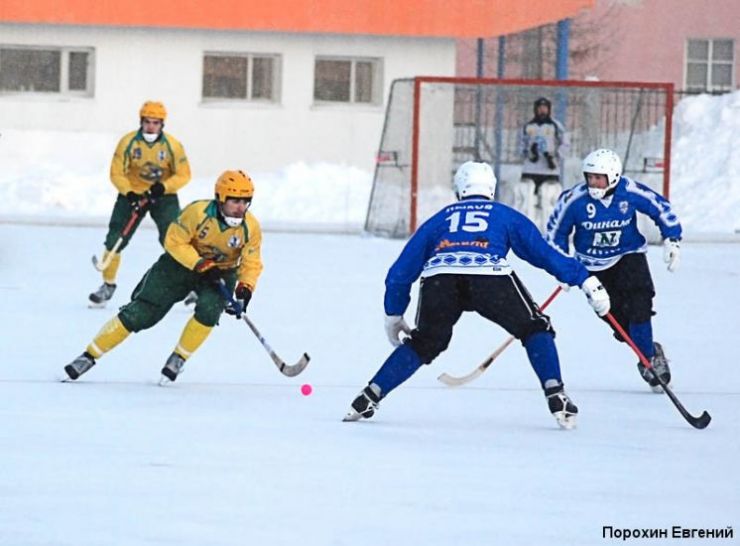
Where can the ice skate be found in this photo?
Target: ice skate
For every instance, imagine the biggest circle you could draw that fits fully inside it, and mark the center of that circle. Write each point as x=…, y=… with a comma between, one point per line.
x=660, y=365
x=191, y=299
x=561, y=407
x=79, y=365
x=365, y=405
x=100, y=297
x=172, y=368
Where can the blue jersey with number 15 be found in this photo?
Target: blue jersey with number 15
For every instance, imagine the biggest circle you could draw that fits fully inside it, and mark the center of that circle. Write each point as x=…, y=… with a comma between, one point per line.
x=473, y=237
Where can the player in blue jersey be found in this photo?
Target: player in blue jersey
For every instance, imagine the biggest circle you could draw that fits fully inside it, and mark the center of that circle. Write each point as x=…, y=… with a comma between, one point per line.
x=602, y=214
x=460, y=254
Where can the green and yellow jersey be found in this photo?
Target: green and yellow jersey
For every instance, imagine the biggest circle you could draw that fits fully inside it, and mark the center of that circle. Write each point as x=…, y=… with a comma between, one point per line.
x=135, y=157
x=199, y=233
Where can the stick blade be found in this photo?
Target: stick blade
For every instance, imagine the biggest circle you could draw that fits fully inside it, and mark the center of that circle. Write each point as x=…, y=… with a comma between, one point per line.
x=701, y=422
x=452, y=381
x=295, y=369
x=96, y=263
x=100, y=265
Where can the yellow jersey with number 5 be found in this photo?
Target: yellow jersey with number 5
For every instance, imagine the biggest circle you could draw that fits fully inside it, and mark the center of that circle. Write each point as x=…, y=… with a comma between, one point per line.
x=198, y=232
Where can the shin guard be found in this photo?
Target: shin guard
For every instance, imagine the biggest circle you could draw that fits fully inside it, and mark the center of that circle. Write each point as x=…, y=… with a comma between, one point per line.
x=110, y=335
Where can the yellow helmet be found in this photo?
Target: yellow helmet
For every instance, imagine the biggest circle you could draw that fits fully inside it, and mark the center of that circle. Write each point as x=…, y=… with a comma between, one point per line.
x=153, y=109
x=234, y=184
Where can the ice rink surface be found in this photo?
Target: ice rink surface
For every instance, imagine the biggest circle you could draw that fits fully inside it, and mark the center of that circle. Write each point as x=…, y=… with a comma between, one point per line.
x=232, y=453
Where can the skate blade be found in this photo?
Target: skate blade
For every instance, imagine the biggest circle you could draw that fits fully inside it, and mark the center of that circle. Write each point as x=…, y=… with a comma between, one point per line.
x=93, y=305
x=351, y=417
x=164, y=381
x=566, y=422
x=354, y=415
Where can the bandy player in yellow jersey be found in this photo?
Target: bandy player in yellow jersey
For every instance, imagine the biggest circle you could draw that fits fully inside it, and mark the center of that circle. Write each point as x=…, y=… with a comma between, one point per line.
x=210, y=241
x=148, y=168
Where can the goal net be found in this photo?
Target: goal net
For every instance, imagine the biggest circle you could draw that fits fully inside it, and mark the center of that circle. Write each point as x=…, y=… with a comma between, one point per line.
x=434, y=124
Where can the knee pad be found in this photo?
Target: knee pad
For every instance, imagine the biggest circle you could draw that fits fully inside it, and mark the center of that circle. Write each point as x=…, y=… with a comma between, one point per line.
x=524, y=190
x=208, y=309
x=537, y=324
x=427, y=349
x=208, y=313
x=550, y=191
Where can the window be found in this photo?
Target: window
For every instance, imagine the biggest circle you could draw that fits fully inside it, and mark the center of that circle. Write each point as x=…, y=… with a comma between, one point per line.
x=240, y=76
x=356, y=81
x=62, y=70
x=710, y=65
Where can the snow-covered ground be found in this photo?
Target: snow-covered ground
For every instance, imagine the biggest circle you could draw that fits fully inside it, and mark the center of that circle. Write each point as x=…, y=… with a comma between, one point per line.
x=60, y=177
x=705, y=189
x=233, y=454
x=63, y=178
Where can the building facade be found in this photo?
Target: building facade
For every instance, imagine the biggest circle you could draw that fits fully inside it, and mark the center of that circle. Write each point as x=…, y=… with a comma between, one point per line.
x=259, y=100
x=694, y=45
x=252, y=84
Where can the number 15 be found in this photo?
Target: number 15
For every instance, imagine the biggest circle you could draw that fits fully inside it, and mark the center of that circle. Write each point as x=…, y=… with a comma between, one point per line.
x=475, y=220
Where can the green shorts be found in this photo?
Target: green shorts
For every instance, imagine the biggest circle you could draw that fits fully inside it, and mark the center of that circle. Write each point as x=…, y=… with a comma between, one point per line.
x=164, y=211
x=166, y=283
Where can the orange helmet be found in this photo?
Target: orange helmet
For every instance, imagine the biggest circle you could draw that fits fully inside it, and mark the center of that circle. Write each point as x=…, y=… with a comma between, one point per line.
x=153, y=109
x=234, y=184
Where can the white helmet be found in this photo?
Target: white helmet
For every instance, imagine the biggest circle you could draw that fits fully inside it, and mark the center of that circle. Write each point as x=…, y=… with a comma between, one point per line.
x=603, y=161
x=473, y=178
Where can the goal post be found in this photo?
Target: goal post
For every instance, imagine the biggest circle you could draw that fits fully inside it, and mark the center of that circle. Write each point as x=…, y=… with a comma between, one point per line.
x=434, y=124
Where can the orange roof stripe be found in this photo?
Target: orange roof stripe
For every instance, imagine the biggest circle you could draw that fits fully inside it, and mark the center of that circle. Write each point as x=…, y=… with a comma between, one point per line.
x=456, y=18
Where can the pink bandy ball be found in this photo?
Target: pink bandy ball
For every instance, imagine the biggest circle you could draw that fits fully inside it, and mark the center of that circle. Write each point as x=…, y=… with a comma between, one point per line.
x=306, y=389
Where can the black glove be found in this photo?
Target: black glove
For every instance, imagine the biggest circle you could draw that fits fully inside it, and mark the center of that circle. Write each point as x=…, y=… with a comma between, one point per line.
x=534, y=152
x=135, y=200
x=242, y=295
x=550, y=161
x=157, y=190
x=208, y=271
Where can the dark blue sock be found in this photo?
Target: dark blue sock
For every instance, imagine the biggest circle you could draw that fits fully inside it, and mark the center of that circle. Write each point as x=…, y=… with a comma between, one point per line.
x=400, y=365
x=543, y=356
x=642, y=334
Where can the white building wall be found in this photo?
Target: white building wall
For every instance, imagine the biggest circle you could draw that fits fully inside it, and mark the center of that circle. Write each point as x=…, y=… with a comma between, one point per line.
x=133, y=65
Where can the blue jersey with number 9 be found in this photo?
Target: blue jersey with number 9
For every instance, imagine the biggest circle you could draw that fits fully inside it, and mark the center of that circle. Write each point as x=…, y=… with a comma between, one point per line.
x=606, y=229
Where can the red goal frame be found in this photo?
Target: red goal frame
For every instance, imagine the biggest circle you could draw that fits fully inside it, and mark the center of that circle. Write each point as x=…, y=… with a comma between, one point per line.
x=420, y=81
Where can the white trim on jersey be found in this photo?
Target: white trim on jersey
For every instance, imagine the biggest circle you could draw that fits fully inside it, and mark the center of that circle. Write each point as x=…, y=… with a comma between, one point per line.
x=465, y=263
x=575, y=193
x=599, y=264
x=665, y=208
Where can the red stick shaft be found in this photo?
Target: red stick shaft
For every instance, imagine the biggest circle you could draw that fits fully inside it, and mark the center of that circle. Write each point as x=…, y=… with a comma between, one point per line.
x=628, y=339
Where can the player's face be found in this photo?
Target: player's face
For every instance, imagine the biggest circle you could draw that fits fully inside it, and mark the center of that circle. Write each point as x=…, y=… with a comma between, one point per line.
x=235, y=207
x=542, y=111
x=598, y=181
x=152, y=126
